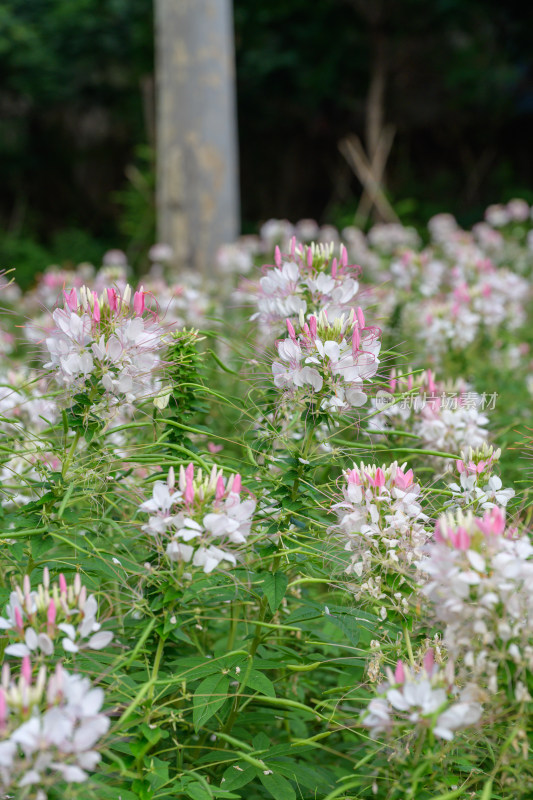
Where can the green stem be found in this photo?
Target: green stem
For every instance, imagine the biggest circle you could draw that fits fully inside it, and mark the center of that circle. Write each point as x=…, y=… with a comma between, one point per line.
x=70, y=454
x=408, y=645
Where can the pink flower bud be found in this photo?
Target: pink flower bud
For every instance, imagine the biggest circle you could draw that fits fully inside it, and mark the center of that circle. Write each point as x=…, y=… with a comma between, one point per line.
x=189, y=471
x=379, y=479
x=291, y=330
x=334, y=268
x=460, y=467
x=293, y=246
x=71, y=299
x=51, y=613
x=356, y=340
x=277, y=256
x=399, y=672
x=220, y=488
x=62, y=584
x=26, y=669
x=309, y=257
x=138, y=303
x=18, y=620
x=3, y=708
x=313, y=325
x=360, y=317
x=344, y=258
x=96, y=309
x=112, y=299
x=189, y=492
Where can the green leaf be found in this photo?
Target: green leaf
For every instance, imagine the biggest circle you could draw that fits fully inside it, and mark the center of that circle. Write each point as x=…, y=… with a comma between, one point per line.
x=197, y=791
x=278, y=787
x=209, y=696
x=235, y=777
x=256, y=680
x=274, y=588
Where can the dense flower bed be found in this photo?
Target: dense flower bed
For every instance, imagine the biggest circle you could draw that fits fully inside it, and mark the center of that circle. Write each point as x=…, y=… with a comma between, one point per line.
x=266, y=533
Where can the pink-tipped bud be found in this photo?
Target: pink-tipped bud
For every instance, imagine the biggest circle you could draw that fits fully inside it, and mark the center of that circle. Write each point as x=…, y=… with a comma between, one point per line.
x=96, y=309
x=360, y=317
x=460, y=538
x=46, y=578
x=71, y=299
x=237, y=484
x=219, y=493
x=293, y=246
x=344, y=256
x=429, y=662
x=26, y=669
x=277, y=256
x=26, y=585
x=62, y=584
x=18, y=619
x=189, y=472
x=392, y=384
x=3, y=708
x=112, y=299
x=460, y=467
x=334, y=268
x=313, y=327
x=291, y=330
x=356, y=340
x=138, y=303
x=399, y=672
x=189, y=492
x=51, y=613
x=379, y=480
x=309, y=257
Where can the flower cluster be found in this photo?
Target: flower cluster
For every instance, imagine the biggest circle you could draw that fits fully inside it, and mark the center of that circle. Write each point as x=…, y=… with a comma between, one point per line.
x=34, y=620
x=426, y=700
x=381, y=522
x=479, y=579
x=329, y=362
x=49, y=728
x=306, y=280
x=106, y=345
x=445, y=415
x=478, y=488
x=203, y=519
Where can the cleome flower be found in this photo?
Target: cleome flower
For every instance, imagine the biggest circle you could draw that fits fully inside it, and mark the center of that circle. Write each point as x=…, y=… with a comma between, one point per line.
x=329, y=362
x=478, y=488
x=416, y=701
x=307, y=279
x=35, y=620
x=447, y=416
x=203, y=519
x=106, y=345
x=49, y=728
x=478, y=580
x=381, y=522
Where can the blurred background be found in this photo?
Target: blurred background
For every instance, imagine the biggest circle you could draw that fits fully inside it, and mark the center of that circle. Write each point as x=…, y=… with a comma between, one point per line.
x=430, y=100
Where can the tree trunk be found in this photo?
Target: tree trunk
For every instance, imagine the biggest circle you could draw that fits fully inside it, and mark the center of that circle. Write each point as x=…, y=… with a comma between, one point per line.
x=197, y=170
